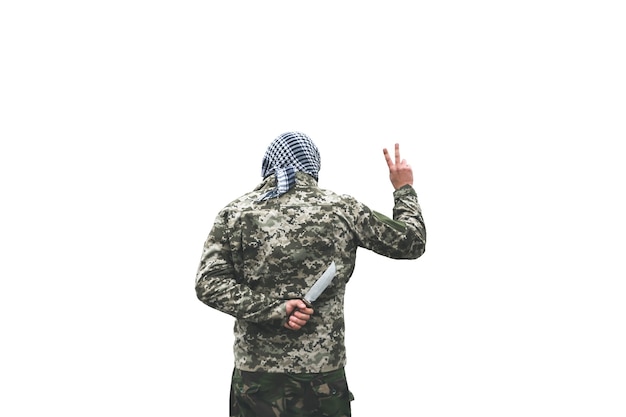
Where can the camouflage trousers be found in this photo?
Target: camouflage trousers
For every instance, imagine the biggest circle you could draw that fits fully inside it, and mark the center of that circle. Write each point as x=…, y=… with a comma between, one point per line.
x=261, y=394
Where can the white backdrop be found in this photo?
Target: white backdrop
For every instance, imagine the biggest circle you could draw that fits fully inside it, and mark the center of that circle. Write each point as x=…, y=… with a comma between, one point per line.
x=127, y=125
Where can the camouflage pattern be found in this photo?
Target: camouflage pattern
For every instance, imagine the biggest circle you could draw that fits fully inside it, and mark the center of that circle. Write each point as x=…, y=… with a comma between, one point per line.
x=260, y=394
x=259, y=254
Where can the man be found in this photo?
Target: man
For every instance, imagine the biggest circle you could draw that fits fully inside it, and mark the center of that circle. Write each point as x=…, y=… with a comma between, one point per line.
x=267, y=248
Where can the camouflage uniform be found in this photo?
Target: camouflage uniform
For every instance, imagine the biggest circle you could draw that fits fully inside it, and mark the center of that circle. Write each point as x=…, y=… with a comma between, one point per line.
x=261, y=253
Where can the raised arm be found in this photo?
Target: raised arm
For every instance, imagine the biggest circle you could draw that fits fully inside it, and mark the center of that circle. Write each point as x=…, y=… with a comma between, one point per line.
x=404, y=235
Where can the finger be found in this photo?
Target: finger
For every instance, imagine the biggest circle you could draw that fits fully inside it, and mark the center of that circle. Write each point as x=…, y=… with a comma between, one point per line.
x=296, y=322
x=291, y=309
x=304, y=314
x=292, y=326
x=298, y=313
x=295, y=305
x=302, y=317
x=388, y=158
x=397, y=153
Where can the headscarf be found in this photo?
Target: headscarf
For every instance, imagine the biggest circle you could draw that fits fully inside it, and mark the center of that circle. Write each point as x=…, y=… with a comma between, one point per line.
x=287, y=154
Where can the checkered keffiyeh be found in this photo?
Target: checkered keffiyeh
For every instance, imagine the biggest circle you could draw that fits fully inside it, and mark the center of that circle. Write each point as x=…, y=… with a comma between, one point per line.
x=287, y=154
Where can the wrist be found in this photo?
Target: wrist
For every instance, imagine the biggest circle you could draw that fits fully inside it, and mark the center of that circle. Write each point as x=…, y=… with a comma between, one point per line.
x=406, y=189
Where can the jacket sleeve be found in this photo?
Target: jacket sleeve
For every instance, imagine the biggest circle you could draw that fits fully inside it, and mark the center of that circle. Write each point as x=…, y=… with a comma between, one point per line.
x=218, y=284
x=403, y=237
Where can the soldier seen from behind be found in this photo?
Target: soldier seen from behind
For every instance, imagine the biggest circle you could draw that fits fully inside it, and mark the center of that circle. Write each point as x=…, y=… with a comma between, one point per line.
x=267, y=248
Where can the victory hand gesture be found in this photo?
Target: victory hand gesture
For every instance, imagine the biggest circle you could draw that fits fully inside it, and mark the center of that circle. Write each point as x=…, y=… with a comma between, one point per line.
x=400, y=172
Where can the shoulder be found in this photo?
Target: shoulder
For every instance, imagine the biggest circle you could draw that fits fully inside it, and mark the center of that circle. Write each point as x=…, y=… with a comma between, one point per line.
x=242, y=203
x=337, y=198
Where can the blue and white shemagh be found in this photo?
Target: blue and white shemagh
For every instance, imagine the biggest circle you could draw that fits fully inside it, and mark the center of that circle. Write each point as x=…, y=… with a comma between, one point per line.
x=287, y=154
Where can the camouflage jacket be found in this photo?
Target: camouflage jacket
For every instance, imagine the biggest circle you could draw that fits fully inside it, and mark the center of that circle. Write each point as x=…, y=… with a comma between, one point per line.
x=259, y=254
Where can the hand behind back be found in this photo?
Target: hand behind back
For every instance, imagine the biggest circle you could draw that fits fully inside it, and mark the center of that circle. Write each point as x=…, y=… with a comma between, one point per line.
x=298, y=314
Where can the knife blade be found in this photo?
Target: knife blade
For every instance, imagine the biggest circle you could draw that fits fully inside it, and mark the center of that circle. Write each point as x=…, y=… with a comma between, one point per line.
x=318, y=288
x=320, y=285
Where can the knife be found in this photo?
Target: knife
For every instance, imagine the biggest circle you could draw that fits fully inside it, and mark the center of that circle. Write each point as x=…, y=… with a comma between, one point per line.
x=318, y=288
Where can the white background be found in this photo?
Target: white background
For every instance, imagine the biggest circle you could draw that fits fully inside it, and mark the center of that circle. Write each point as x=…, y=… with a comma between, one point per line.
x=127, y=125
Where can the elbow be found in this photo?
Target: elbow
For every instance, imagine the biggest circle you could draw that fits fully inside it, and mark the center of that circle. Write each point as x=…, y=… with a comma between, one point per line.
x=202, y=292
x=198, y=292
x=419, y=244
x=412, y=252
x=420, y=251
x=417, y=251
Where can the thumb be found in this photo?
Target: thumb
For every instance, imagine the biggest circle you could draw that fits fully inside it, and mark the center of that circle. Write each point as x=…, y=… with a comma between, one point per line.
x=293, y=305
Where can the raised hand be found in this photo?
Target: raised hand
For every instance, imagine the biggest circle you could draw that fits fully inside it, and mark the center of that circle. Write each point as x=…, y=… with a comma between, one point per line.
x=400, y=172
